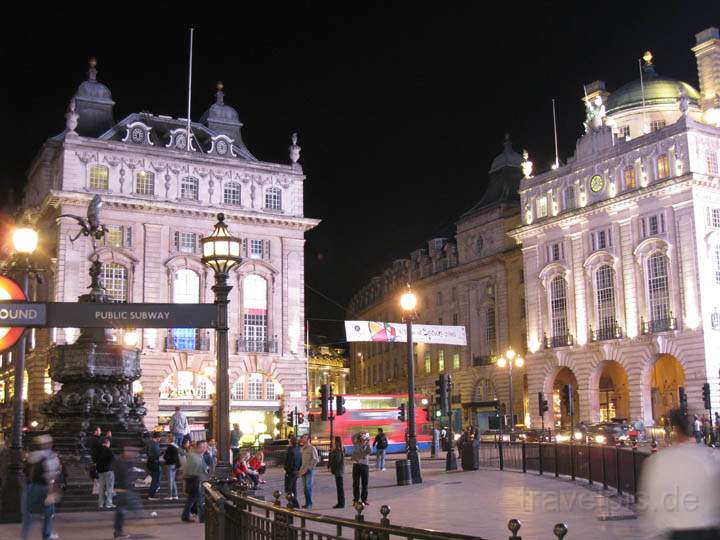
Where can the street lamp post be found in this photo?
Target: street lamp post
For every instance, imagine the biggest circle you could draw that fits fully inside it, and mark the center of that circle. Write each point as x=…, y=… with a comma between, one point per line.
x=25, y=241
x=408, y=301
x=510, y=359
x=221, y=253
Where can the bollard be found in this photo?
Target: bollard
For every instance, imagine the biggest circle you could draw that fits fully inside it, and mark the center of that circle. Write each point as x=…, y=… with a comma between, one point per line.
x=291, y=500
x=589, y=463
x=604, y=469
x=618, y=469
x=540, y=453
x=653, y=446
x=500, y=451
x=514, y=526
x=524, y=462
x=635, y=475
x=572, y=459
x=359, y=507
x=557, y=471
x=560, y=530
x=277, y=496
x=385, y=511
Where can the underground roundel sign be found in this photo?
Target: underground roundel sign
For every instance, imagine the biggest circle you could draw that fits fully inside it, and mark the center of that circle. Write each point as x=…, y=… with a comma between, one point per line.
x=9, y=290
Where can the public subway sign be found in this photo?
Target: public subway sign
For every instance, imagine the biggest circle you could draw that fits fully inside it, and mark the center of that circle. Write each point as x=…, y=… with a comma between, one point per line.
x=386, y=332
x=90, y=315
x=10, y=334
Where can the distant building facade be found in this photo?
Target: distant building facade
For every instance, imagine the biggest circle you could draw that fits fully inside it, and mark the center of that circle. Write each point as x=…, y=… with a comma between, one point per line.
x=327, y=365
x=470, y=280
x=161, y=193
x=621, y=251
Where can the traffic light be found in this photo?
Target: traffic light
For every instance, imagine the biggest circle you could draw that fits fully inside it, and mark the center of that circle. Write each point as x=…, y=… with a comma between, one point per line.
x=442, y=393
x=683, y=398
x=311, y=417
x=339, y=405
x=706, y=395
x=300, y=418
x=401, y=412
x=278, y=415
x=291, y=419
x=567, y=398
x=542, y=403
x=324, y=401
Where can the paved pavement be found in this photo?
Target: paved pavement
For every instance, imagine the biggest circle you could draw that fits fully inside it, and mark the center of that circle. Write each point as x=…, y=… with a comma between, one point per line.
x=472, y=502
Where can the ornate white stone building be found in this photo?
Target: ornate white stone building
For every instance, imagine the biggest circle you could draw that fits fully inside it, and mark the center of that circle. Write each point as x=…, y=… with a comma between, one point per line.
x=161, y=194
x=621, y=251
x=469, y=281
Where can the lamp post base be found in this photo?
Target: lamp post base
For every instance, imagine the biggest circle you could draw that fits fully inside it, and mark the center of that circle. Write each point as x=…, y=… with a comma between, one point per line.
x=415, y=471
x=451, y=460
x=11, y=501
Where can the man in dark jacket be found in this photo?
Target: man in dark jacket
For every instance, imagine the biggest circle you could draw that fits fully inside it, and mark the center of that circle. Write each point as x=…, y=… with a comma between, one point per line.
x=293, y=461
x=127, y=499
x=106, y=477
x=153, y=464
x=172, y=464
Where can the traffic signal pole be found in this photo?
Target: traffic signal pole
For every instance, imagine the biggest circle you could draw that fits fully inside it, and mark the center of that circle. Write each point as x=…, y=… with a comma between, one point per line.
x=412, y=452
x=451, y=458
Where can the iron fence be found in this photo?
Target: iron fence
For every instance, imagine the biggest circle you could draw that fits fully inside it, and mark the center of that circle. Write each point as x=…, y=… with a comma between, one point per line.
x=611, y=466
x=233, y=516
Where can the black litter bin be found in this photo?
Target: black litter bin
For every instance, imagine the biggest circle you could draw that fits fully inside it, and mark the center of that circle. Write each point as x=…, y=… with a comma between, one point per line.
x=402, y=471
x=470, y=456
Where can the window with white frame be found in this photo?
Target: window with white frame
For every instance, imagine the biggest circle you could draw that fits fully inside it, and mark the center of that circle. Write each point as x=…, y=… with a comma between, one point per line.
x=255, y=313
x=569, y=197
x=658, y=289
x=601, y=239
x=99, y=177
x=541, y=207
x=237, y=392
x=555, y=252
x=490, y=330
x=255, y=386
x=256, y=249
x=605, y=295
x=114, y=278
x=715, y=259
x=145, y=183
x=663, y=169
x=713, y=217
x=652, y=225
x=270, y=390
x=711, y=160
x=558, y=307
x=656, y=125
x=231, y=193
x=189, y=188
x=185, y=242
x=273, y=198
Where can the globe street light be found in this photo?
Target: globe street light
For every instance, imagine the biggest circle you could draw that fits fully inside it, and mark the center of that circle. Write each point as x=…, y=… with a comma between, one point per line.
x=221, y=253
x=510, y=359
x=408, y=302
x=25, y=241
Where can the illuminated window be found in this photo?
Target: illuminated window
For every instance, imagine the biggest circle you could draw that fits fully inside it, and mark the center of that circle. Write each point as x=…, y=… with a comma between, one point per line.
x=656, y=125
x=658, y=291
x=428, y=363
x=255, y=313
x=47, y=384
x=231, y=193
x=663, y=170
x=541, y=207
x=118, y=236
x=273, y=198
x=255, y=386
x=2, y=391
x=456, y=360
x=237, y=391
x=145, y=183
x=629, y=176
x=114, y=278
x=605, y=284
x=189, y=188
x=625, y=131
x=99, y=177
x=558, y=307
x=490, y=332
x=186, y=290
x=441, y=360
x=711, y=160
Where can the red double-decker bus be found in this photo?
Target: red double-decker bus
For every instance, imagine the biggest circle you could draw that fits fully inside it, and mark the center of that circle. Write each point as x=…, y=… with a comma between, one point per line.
x=368, y=413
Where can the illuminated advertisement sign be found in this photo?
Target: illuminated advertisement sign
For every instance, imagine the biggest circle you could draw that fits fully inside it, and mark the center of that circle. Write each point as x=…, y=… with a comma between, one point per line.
x=9, y=290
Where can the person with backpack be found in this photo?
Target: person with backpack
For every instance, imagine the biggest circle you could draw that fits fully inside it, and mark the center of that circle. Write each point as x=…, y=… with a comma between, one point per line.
x=380, y=443
x=42, y=490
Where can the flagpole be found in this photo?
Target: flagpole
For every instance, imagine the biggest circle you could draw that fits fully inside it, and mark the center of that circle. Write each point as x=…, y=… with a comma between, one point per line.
x=557, y=158
x=642, y=90
x=189, y=90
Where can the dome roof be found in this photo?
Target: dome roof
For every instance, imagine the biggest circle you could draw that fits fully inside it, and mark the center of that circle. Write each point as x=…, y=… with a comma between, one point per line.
x=507, y=158
x=219, y=112
x=92, y=89
x=658, y=90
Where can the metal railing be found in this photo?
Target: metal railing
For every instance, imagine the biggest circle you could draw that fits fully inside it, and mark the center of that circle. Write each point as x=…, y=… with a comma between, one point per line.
x=603, y=334
x=197, y=341
x=484, y=360
x=611, y=466
x=256, y=345
x=658, y=325
x=553, y=342
x=233, y=516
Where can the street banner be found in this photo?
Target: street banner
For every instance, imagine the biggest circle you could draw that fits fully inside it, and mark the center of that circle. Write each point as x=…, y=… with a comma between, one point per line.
x=386, y=332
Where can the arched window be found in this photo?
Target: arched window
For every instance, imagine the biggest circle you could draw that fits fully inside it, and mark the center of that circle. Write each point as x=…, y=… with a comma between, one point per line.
x=273, y=198
x=490, y=332
x=231, y=193
x=189, y=188
x=99, y=177
x=255, y=313
x=237, y=391
x=186, y=290
x=715, y=260
x=558, y=310
x=658, y=290
x=145, y=183
x=114, y=278
x=605, y=294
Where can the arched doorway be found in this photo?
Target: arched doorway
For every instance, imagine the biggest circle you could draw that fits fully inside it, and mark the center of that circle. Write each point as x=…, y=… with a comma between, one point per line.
x=613, y=392
x=666, y=376
x=561, y=416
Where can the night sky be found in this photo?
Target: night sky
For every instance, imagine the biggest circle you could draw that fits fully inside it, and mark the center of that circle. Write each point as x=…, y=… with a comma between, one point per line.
x=399, y=108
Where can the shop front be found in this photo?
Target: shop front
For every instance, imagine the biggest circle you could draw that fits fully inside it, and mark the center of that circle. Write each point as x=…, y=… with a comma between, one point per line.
x=193, y=392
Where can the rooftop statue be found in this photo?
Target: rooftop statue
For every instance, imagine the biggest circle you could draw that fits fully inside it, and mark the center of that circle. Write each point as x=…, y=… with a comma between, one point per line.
x=594, y=114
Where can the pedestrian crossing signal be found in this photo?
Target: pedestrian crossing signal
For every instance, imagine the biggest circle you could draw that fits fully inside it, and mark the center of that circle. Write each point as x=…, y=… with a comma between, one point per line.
x=401, y=412
x=706, y=396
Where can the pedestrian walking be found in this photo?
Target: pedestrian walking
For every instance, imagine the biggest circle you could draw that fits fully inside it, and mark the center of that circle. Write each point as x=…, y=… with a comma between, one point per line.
x=42, y=491
x=293, y=461
x=210, y=456
x=361, y=466
x=179, y=426
x=106, y=477
x=195, y=474
x=309, y=458
x=697, y=429
x=171, y=457
x=127, y=498
x=680, y=487
x=380, y=443
x=153, y=464
x=235, y=436
x=337, y=469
